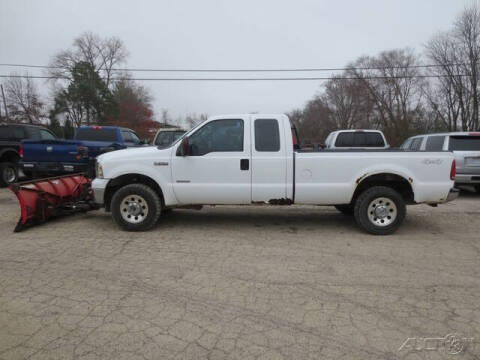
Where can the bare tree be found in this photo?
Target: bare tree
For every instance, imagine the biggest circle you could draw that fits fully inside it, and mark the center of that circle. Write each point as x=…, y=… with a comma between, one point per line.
x=455, y=95
x=313, y=123
x=103, y=54
x=395, y=86
x=23, y=100
x=349, y=105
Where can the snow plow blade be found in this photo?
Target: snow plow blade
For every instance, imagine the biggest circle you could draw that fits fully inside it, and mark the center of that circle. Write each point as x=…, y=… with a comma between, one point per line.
x=43, y=199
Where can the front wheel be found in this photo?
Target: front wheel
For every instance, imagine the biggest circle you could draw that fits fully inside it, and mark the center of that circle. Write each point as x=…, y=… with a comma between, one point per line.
x=380, y=210
x=8, y=173
x=136, y=207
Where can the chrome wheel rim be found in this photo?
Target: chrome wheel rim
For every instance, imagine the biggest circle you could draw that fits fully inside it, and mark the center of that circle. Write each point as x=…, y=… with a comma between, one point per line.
x=134, y=209
x=9, y=174
x=382, y=212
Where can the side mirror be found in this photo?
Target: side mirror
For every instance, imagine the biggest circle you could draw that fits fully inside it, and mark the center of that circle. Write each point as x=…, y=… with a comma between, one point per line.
x=184, y=148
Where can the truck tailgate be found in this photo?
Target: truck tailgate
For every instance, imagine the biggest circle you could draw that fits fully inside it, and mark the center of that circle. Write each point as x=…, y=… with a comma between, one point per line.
x=50, y=150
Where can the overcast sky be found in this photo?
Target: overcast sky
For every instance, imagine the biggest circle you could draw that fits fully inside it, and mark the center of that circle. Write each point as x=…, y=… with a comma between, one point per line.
x=224, y=34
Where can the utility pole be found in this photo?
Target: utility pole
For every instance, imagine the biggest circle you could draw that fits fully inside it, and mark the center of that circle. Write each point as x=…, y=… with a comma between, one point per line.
x=4, y=103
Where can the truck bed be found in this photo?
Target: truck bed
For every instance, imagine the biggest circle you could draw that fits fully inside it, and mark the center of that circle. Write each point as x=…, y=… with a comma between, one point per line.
x=333, y=175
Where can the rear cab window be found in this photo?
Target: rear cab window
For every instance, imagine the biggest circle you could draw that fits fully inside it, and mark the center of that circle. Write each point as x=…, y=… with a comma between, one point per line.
x=359, y=139
x=464, y=143
x=97, y=134
x=435, y=143
x=267, y=135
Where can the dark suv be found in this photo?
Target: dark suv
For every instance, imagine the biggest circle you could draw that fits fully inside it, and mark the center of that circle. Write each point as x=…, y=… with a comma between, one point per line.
x=11, y=136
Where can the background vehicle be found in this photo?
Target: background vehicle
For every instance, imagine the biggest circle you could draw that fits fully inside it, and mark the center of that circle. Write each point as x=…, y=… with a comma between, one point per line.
x=250, y=159
x=167, y=136
x=55, y=156
x=465, y=147
x=356, y=139
x=10, y=148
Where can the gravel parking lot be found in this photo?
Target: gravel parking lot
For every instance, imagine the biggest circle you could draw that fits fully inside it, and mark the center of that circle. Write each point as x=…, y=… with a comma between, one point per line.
x=241, y=283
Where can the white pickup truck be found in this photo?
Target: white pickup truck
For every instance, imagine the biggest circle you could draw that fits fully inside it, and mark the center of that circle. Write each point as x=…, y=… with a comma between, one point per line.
x=254, y=159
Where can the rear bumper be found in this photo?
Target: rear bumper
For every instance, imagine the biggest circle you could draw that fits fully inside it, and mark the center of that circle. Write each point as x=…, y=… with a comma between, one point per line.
x=53, y=167
x=453, y=194
x=467, y=179
x=99, y=186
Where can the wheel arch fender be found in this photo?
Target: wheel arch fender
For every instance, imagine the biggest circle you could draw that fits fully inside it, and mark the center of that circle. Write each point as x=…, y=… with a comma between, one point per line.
x=9, y=154
x=397, y=177
x=142, y=174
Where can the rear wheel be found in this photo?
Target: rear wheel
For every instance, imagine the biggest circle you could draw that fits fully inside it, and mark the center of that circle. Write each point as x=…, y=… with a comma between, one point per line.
x=346, y=209
x=136, y=207
x=8, y=173
x=380, y=210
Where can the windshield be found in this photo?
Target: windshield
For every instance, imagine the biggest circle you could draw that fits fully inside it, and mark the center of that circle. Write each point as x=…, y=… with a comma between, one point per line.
x=187, y=133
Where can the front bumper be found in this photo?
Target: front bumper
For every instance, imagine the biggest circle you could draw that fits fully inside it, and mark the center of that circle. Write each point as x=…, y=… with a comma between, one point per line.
x=98, y=187
x=453, y=194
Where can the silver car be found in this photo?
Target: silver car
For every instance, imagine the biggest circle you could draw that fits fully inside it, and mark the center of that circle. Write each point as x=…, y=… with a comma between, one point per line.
x=465, y=147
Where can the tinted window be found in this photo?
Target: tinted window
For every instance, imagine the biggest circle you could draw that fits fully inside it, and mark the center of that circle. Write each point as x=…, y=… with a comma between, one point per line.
x=17, y=132
x=4, y=133
x=267, y=135
x=368, y=139
x=219, y=136
x=435, y=143
x=464, y=143
x=96, y=134
x=344, y=139
x=46, y=135
x=359, y=139
x=416, y=143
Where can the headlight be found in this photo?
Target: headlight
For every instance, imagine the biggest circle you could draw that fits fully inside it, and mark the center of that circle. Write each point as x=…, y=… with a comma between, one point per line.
x=99, y=171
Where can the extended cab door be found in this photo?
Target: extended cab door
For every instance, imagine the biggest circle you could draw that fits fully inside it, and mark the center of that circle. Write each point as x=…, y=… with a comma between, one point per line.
x=269, y=159
x=217, y=171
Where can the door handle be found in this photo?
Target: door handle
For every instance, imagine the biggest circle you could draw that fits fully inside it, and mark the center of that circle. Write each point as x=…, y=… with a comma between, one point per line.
x=244, y=164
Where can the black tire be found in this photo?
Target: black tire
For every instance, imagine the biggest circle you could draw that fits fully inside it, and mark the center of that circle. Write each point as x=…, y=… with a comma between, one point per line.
x=142, y=192
x=346, y=209
x=8, y=173
x=366, y=203
x=477, y=189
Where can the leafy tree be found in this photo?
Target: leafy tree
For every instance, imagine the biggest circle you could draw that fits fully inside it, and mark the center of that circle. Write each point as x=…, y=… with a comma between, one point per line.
x=134, y=109
x=87, y=98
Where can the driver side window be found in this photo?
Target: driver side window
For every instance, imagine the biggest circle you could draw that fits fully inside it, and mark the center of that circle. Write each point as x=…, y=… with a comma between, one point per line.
x=217, y=136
